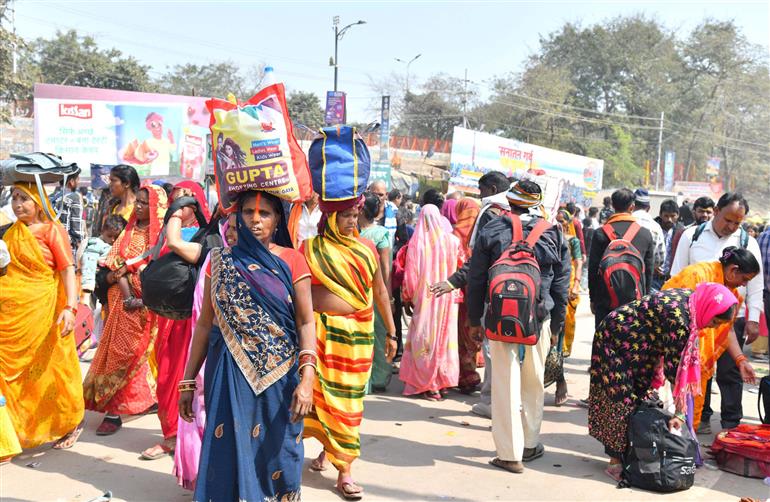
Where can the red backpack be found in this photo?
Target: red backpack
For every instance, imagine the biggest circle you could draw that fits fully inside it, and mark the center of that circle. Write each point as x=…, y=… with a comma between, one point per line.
x=622, y=267
x=514, y=311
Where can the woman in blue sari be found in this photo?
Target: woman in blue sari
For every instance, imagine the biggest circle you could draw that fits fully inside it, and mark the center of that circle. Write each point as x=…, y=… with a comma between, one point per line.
x=257, y=335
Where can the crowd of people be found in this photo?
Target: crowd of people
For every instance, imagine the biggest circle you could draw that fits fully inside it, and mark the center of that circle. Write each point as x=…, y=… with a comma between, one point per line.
x=303, y=309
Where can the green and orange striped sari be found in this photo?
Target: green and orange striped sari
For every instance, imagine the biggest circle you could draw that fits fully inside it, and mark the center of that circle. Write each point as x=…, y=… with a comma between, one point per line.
x=345, y=343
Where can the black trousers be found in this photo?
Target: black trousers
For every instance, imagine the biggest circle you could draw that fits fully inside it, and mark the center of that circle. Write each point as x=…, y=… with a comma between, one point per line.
x=730, y=385
x=397, y=310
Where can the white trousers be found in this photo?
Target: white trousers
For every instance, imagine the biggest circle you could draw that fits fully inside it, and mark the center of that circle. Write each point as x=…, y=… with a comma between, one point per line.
x=517, y=395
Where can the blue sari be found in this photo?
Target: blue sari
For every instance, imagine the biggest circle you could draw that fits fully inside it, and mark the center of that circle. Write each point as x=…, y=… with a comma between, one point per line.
x=251, y=450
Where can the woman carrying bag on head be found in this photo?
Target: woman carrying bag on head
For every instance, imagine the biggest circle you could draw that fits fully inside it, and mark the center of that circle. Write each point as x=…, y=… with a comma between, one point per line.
x=40, y=381
x=257, y=335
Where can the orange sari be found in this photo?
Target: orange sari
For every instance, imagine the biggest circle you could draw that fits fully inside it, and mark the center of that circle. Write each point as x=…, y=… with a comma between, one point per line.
x=39, y=369
x=119, y=381
x=712, y=342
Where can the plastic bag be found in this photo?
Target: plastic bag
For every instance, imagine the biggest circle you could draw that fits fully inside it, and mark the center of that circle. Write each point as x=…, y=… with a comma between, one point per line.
x=254, y=148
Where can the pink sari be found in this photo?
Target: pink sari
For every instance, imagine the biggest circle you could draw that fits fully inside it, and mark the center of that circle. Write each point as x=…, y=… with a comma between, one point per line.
x=189, y=435
x=430, y=361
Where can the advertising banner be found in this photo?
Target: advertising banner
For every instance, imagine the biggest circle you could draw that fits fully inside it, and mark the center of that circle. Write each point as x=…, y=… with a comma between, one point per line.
x=335, y=108
x=476, y=153
x=712, y=167
x=155, y=133
x=382, y=170
x=255, y=147
x=668, y=171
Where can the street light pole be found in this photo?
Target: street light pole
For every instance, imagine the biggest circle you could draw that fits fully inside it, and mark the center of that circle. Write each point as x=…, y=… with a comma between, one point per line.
x=338, y=34
x=336, y=40
x=407, y=68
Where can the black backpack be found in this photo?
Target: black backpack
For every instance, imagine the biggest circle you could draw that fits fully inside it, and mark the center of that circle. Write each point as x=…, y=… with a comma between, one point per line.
x=622, y=266
x=656, y=459
x=763, y=400
x=168, y=282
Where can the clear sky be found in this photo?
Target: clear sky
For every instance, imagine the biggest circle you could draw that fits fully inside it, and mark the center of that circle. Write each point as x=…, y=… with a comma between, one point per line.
x=297, y=38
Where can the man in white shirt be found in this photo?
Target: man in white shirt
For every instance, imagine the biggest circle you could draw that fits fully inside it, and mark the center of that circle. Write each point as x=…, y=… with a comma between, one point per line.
x=705, y=242
x=642, y=215
x=308, y=221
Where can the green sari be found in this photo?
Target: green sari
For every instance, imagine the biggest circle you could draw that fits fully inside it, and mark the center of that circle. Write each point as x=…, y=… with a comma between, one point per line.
x=382, y=370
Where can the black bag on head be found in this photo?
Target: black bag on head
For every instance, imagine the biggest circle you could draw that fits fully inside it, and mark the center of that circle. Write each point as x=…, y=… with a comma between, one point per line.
x=168, y=281
x=763, y=400
x=656, y=459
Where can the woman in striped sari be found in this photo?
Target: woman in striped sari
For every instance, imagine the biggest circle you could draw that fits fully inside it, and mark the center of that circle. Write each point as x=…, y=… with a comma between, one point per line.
x=346, y=282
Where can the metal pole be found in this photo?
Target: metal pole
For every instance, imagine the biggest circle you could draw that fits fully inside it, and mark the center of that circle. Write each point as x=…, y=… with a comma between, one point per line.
x=465, y=99
x=336, y=63
x=407, y=77
x=660, y=146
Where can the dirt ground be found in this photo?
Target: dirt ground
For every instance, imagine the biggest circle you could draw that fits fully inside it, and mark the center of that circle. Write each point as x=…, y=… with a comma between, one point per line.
x=412, y=449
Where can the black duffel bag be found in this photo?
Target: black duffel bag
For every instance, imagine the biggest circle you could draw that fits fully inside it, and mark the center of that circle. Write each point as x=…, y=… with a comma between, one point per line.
x=658, y=460
x=168, y=281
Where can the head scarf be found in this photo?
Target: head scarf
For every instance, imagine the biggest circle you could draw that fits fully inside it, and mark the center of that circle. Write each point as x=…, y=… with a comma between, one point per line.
x=570, y=227
x=30, y=189
x=158, y=202
x=337, y=206
x=467, y=212
x=432, y=254
x=523, y=199
x=342, y=263
x=198, y=193
x=707, y=301
x=449, y=210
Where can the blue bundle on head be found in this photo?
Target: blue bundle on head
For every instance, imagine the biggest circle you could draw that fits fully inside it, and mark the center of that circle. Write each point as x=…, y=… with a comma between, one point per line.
x=339, y=163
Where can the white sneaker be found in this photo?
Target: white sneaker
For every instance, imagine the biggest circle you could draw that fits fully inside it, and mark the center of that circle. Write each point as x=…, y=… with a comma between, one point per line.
x=482, y=410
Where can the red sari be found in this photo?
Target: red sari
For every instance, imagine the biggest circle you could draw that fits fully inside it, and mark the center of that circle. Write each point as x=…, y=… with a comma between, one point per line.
x=119, y=381
x=172, y=346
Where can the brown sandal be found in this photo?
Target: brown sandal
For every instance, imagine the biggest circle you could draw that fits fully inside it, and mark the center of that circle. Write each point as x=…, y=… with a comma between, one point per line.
x=67, y=441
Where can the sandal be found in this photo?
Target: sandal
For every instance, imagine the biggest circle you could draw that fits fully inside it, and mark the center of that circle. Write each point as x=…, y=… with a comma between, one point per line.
x=531, y=454
x=109, y=426
x=68, y=440
x=156, y=452
x=615, y=471
x=319, y=464
x=432, y=395
x=151, y=410
x=349, y=489
x=508, y=465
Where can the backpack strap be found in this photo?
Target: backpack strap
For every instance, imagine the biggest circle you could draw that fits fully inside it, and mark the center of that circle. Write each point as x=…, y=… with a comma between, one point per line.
x=537, y=231
x=631, y=232
x=517, y=232
x=698, y=231
x=609, y=232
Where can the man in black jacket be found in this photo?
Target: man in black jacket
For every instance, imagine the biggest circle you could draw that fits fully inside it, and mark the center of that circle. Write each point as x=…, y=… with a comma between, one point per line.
x=623, y=203
x=517, y=383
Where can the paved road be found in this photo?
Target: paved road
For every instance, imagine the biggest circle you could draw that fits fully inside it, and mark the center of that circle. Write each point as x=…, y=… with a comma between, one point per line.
x=412, y=450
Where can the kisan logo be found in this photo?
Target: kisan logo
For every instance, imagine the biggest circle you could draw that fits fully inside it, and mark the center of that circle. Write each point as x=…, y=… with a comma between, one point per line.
x=77, y=111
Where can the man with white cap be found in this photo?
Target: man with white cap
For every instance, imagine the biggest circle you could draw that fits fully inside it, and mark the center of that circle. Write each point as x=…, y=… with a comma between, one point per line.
x=645, y=219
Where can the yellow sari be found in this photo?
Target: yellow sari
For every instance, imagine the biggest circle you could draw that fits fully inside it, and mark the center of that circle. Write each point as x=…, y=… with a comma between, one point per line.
x=712, y=342
x=39, y=369
x=345, y=343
